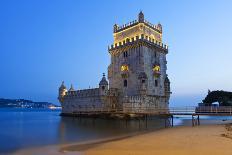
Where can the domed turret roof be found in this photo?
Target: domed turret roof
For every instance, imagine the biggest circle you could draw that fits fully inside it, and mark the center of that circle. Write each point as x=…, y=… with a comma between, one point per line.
x=167, y=80
x=62, y=87
x=141, y=17
x=71, y=88
x=103, y=80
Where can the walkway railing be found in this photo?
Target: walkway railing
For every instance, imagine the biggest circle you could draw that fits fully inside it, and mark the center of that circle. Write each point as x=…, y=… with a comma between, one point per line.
x=160, y=111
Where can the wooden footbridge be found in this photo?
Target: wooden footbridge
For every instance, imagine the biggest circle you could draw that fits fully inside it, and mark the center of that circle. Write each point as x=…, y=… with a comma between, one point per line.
x=170, y=112
x=195, y=112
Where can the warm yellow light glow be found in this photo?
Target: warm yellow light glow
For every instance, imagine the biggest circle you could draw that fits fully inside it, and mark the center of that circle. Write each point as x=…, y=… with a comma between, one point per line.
x=124, y=68
x=137, y=30
x=156, y=68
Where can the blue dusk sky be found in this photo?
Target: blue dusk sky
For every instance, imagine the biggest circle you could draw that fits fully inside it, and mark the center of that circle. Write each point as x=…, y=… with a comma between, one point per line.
x=43, y=42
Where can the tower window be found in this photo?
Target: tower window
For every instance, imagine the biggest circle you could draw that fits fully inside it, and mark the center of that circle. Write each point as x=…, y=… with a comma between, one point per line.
x=156, y=68
x=143, y=81
x=125, y=83
x=156, y=83
x=125, y=54
x=124, y=68
x=103, y=87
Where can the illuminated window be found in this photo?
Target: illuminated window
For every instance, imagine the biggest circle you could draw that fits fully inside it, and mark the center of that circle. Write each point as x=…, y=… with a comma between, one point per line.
x=156, y=68
x=124, y=68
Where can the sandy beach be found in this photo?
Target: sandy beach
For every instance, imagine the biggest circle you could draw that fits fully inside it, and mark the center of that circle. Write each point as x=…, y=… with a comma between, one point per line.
x=182, y=140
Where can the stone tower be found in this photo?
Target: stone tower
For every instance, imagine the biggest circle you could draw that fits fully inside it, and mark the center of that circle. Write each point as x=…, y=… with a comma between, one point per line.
x=138, y=60
x=137, y=78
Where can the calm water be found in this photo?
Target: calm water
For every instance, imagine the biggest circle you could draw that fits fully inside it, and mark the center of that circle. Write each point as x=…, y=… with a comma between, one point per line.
x=25, y=128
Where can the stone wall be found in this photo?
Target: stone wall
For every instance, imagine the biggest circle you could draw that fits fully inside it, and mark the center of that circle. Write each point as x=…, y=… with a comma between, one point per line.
x=82, y=100
x=144, y=104
x=88, y=100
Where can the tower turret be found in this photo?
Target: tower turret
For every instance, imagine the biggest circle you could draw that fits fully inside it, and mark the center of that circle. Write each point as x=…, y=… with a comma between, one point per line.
x=62, y=92
x=71, y=88
x=141, y=17
x=159, y=27
x=116, y=27
x=167, y=90
x=103, y=85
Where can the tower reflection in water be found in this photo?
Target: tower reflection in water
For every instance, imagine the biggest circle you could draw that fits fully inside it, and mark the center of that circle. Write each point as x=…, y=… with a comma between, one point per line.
x=74, y=129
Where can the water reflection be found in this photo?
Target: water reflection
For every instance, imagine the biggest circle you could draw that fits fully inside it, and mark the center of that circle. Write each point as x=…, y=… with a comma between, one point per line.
x=25, y=128
x=81, y=129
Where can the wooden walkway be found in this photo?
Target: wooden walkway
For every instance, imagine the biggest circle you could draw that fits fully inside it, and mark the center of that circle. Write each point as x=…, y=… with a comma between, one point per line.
x=195, y=112
x=204, y=110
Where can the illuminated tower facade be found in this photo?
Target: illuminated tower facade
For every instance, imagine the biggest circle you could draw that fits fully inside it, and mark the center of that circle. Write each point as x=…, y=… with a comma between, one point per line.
x=138, y=62
x=137, y=78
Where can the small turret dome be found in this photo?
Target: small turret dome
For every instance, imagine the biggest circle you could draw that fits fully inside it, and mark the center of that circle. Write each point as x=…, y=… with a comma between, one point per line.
x=159, y=27
x=141, y=16
x=103, y=80
x=71, y=88
x=116, y=27
x=167, y=80
x=62, y=87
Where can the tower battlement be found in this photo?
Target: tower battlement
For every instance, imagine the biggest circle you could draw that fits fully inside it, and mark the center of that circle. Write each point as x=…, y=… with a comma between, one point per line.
x=118, y=28
x=141, y=38
x=141, y=19
x=137, y=28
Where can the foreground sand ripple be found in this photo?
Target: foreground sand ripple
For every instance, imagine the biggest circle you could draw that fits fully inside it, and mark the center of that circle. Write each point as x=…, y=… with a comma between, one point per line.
x=200, y=140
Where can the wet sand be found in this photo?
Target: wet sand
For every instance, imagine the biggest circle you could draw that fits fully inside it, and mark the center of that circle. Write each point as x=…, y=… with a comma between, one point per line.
x=182, y=140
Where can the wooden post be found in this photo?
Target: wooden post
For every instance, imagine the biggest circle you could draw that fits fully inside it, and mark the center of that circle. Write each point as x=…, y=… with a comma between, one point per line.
x=172, y=120
x=165, y=122
x=126, y=122
x=192, y=120
x=146, y=121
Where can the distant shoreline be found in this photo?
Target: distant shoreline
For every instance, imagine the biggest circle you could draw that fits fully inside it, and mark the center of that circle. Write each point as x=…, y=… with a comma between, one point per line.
x=23, y=103
x=55, y=108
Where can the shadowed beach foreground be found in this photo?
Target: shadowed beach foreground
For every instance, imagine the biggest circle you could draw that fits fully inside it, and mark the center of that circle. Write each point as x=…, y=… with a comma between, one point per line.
x=205, y=139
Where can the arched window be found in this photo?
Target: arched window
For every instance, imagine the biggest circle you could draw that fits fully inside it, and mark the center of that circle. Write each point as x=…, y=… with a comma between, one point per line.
x=156, y=83
x=125, y=83
x=125, y=54
x=103, y=87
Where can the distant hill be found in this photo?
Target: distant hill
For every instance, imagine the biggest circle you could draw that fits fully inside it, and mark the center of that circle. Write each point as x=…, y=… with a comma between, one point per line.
x=22, y=103
x=224, y=98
